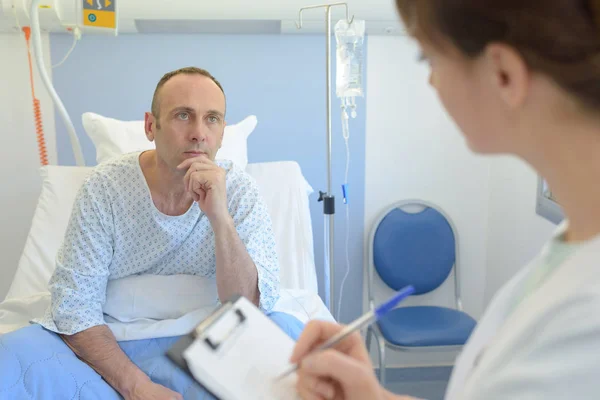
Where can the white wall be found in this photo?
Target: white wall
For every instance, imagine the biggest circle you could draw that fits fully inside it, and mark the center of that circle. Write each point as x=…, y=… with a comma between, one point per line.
x=19, y=159
x=415, y=151
x=516, y=233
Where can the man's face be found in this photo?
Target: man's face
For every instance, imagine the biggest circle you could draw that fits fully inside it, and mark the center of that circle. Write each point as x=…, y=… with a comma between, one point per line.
x=191, y=119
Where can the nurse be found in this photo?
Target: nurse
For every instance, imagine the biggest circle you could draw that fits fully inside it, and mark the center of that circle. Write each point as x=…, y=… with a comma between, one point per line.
x=518, y=77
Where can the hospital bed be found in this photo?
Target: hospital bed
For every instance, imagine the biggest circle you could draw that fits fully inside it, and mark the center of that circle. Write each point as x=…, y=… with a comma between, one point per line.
x=286, y=193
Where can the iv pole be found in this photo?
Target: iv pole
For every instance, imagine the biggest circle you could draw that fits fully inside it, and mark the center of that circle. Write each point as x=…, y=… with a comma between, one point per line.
x=328, y=198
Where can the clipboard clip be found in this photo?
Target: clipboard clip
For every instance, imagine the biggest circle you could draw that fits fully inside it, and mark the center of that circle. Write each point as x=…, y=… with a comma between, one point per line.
x=214, y=344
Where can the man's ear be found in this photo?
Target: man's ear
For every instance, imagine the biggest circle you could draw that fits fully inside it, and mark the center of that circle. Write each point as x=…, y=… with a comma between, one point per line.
x=222, y=134
x=149, y=125
x=510, y=74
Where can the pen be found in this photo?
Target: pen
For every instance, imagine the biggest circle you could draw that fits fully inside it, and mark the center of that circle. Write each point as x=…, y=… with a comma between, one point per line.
x=359, y=323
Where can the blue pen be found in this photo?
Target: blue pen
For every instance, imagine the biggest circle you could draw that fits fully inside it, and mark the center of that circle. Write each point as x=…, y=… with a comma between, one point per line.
x=361, y=322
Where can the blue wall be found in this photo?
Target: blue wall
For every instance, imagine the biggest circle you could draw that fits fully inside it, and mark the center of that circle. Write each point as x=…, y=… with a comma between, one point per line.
x=280, y=79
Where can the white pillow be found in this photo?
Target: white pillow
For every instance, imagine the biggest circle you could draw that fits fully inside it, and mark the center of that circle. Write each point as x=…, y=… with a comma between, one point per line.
x=113, y=137
x=158, y=297
x=59, y=189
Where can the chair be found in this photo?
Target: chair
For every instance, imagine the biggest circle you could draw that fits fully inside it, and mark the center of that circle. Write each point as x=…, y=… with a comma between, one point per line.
x=419, y=248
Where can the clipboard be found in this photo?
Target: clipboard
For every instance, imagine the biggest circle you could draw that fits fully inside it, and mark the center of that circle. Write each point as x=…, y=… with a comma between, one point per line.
x=236, y=353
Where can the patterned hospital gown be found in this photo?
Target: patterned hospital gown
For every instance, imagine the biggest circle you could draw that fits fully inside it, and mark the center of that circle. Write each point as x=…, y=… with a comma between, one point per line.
x=116, y=231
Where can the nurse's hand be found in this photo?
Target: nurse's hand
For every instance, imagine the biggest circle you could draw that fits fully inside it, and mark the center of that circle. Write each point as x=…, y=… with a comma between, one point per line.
x=345, y=372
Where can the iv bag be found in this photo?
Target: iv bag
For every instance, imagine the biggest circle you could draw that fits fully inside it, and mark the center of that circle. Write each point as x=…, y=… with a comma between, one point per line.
x=349, y=57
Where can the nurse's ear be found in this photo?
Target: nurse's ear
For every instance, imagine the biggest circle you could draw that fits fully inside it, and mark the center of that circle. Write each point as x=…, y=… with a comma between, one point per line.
x=509, y=73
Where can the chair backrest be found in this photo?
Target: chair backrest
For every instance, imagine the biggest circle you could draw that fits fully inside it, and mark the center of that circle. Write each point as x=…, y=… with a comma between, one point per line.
x=413, y=243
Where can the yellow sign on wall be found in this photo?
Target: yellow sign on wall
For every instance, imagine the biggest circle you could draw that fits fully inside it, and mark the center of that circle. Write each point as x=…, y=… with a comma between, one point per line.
x=100, y=13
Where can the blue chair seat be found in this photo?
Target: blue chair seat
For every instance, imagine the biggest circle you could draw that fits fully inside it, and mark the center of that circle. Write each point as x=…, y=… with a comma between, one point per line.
x=426, y=326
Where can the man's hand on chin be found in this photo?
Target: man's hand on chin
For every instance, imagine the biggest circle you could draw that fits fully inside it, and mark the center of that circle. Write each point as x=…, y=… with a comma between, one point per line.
x=206, y=182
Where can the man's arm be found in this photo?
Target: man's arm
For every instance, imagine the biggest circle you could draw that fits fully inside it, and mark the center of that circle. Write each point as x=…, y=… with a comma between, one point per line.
x=78, y=288
x=246, y=250
x=98, y=348
x=244, y=241
x=236, y=272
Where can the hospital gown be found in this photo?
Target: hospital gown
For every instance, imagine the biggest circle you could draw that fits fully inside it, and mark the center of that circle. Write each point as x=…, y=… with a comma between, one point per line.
x=116, y=231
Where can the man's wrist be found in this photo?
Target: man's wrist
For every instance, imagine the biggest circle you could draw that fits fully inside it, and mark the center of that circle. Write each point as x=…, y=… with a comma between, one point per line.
x=130, y=381
x=222, y=222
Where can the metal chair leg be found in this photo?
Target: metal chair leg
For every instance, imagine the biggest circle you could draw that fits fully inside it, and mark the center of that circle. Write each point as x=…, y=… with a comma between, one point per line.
x=381, y=347
x=369, y=333
x=382, y=366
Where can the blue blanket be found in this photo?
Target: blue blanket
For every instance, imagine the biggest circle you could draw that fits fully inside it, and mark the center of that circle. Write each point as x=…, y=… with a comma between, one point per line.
x=37, y=364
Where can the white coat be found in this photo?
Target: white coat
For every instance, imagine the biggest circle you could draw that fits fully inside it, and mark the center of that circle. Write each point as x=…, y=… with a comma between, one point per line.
x=548, y=347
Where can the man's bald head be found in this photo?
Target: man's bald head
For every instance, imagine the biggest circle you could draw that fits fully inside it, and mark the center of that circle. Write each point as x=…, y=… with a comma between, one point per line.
x=166, y=77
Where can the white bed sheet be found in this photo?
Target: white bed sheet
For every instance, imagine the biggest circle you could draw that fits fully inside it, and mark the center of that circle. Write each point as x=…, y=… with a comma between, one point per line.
x=286, y=193
x=16, y=313
x=282, y=185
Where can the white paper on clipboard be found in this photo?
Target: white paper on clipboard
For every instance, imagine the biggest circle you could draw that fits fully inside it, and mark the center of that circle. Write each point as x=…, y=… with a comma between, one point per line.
x=241, y=355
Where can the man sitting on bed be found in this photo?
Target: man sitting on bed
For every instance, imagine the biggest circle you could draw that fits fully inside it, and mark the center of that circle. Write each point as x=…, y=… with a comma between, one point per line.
x=168, y=211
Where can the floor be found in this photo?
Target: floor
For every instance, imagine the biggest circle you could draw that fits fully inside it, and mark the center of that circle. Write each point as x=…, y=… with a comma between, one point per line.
x=423, y=383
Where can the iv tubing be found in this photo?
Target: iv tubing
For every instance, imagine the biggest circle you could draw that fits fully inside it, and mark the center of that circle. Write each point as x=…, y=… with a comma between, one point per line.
x=37, y=50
